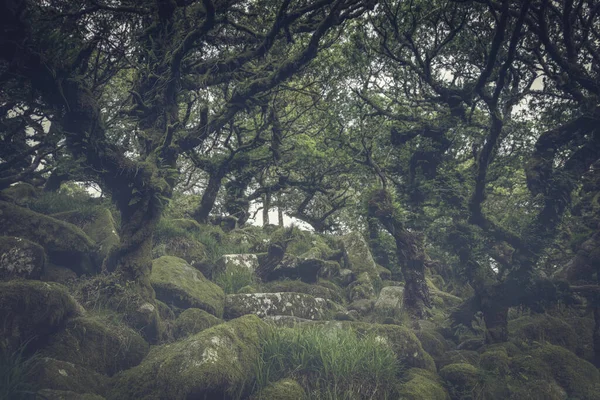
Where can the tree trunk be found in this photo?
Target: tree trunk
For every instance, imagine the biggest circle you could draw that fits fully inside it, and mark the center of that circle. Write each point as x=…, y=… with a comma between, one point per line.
x=279, y=213
x=496, y=324
x=208, y=198
x=266, y=198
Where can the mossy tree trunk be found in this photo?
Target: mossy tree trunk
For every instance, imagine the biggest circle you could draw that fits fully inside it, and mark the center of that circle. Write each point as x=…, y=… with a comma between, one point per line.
x=409, y=248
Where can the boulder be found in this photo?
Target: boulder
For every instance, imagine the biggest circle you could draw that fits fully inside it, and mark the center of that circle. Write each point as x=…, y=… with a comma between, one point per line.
x=330, y=269
x=98, y=224
x=192, y=321
x=216, y=363
x=64, y=243
x=461, y=379
x=459, y=357
x=106, y=347
x=384, y=273
x=20, y=258
x=187, y=249
x=284, y=389
x=179, y=284
x=362, y=307
x=345, y=277
x=329, y=292
x=292, y=267
x=33, y=309
x=49, y=394
x=58, y=274
x=49, y=373
x=357, y=255
x=236, y=261
x=433, y=343
x=544, y=328
x=361, y=288
x=390, y=300
x=265, y=304
x=421, y=384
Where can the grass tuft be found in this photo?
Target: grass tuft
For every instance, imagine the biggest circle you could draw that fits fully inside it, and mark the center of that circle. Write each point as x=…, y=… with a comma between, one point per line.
x=15, y=369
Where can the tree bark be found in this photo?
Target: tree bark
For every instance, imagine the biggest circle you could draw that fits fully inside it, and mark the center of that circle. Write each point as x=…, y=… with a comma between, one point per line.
x=209, y=197
x=266, y=199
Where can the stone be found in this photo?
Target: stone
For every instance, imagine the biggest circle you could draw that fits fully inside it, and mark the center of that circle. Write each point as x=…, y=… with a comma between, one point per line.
x=20, y=258
x=361, y=288
x=179, y=284
x=357, y=255
x=234, y=261
x=216, y=363
x=292, y=267
x=49, y=373
x=49, y=394
x=32, y=310
x=106, y=347
x=346, y=277
x=284, y=389
x=325, y=291
x=390, y=299
x=265, y=304
x=64, y=243
x=329, y=270
x=192, y=321
x=421, y=384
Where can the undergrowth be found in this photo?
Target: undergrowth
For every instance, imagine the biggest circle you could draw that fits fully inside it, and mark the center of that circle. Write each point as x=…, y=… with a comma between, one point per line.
x=328, y=363
x=15, y=369
x=234, y=278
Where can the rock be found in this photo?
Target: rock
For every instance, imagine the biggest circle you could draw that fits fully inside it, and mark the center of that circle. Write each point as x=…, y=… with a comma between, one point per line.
x=58, y=274
x=236, y=261
x=402, y=340
x=188, y=249
x=20, y=193
x=544, y=328
x=444, y=300
x=495, y=361
x=286, y=321
x=461, y=379
x=459, y=357
x=285, y=389
x=433, y=343
x=539, y=390
x=64, y=243
x=296, y=286
x=390, y=300
x=177, y=283
x=421, y=384
x=363, y=306
x=329, y=270
x=264, y=304
x=346, y=277
x=292, y=267
x=357, y=255
x=99, y=225
x=103, y=346
x=362, y=288
x=20, y=258
x=49, y=373
x=49, y=394
x=214, y=364
x=472, y=344
x=33, y=309
x=384, y=273
x=192, y=321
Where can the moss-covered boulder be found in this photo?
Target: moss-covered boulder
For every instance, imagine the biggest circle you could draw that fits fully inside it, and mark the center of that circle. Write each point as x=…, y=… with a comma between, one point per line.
x=538, y=390
x=285, y=389
x=495, y=361
x=235, y=262
x=402, y=340
x=325, y=291
x=579, y=378
x=49, y=394
x=20, y=193
x=49, y=373
x=20, y=258
x=98, y=224
x=357, y=256
x=102, y=345
x=330, y=269
x=33, y=309
x=461, y=380
x=217, y=363
x=292, y=267
x=459, y=357
x=544, y=328
x=264, y=304
x=362, y=288
x=345, y=277
x=192, y=321
x=433, y=343
x=58, y=274
x=179, y=284
x=390, y=300
x=64, y=243
x=421, y=384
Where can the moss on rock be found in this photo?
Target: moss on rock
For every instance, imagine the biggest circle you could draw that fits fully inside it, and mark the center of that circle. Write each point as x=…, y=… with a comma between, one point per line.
x=49, y=373
x=20, y=258
x=282, y=303
x=192, y=321
x=544, y=328
x=461, y=380
x=64, y=243
x=362, y=288
x=50, y=394
x=33, y=309
x=421, y=384
x=217, y=363
x=285, y=389
x=298, y=286
x=495, y=361
x=178, y=283
x=103, y=345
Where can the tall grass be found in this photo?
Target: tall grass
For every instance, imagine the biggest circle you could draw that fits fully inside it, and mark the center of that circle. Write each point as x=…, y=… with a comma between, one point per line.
x=329, y=363
x=234, y=278
x=15, y=369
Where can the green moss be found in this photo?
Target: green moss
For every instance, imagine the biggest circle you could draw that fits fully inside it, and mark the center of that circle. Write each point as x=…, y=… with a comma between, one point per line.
x=459, y=357
x=33, y=309
x=433, y=343
x=578, y=377
x=495, y=361
x=192, y=321
x=421, y=384
x=213, y=364
x=65, y=243
x=20, y=258
x=179, y=284
x=461, y=380
x=285, y=389
x=544, y=328
x=357, y=255
x=49, y=373
x=101, y=344
x=20, y=193
x=283, y=303
x=300, y=242
x=538, y=390
x=361, y=288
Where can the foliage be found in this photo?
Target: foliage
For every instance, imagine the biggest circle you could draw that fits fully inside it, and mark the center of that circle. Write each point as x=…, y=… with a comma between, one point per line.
x=329, y=364
x=15, y=368
x=234, y=278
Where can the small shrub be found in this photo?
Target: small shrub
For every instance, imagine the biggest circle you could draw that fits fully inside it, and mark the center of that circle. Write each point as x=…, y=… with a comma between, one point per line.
x=329, y=364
